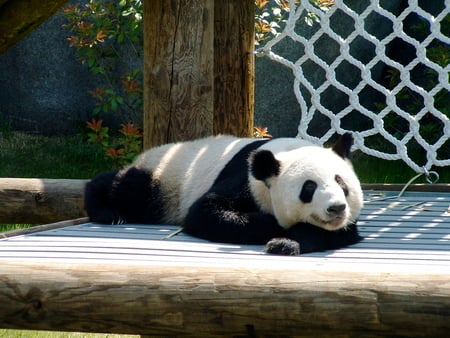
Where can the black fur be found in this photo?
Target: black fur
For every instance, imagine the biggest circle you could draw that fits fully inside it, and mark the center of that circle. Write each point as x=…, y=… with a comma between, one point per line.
x=283, y=246
x=342, y=184
x=308, y=189
x=343, y=145
x=312, y=239
x=264, y=165
x=124, y=196
x=228, y=212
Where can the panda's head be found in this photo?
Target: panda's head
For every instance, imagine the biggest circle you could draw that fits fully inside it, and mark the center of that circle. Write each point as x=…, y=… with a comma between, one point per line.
x=307, y=184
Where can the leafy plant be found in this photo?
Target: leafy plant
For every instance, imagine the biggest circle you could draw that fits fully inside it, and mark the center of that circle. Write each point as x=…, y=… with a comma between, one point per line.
x=261, y=132
x=271, y=16
x=122, y=148
x=108, y=38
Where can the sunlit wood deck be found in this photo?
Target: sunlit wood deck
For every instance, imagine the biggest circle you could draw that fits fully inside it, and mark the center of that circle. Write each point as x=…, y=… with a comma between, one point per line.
x=133, y=279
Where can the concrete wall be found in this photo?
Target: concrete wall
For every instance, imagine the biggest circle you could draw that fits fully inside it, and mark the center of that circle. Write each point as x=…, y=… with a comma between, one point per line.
x=43, y=88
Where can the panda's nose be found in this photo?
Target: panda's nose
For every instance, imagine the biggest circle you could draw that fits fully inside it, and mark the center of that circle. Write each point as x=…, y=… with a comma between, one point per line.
x=336, y=208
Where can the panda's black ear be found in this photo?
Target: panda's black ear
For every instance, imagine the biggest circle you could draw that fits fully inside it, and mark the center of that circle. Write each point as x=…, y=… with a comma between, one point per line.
x=264, y=165
x=343, y=145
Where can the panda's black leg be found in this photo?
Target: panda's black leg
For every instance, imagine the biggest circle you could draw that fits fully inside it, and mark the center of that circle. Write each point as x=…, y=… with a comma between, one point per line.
x=124, y=196
x=97, y=199
x=215, y=218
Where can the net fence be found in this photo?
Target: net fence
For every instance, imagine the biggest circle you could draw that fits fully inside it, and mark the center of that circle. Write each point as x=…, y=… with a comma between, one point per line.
x=379, y=69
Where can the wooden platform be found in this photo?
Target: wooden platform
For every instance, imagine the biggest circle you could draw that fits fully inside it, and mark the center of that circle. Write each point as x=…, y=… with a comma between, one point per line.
x=133, y=279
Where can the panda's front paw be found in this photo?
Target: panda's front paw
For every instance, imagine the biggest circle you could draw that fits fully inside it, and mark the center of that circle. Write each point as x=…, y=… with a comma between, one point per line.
x=282, y=246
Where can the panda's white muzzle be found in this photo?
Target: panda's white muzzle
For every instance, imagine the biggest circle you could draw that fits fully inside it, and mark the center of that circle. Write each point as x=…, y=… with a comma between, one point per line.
x=334, y=218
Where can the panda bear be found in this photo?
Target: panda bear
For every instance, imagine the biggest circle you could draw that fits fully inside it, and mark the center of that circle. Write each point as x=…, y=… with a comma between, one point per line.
x=287, y=192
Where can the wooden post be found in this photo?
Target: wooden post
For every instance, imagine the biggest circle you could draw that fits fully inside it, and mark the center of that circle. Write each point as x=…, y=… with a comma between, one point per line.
x=198, y=69
x=234, y=34
x=178, y=70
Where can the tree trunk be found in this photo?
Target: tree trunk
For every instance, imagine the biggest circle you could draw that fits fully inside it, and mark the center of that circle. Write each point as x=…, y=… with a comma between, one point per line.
x=234, y=26
x=198, y=69
x=178, y=70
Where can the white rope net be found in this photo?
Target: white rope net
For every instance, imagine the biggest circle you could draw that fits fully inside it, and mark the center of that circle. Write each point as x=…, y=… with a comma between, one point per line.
x=407, y=118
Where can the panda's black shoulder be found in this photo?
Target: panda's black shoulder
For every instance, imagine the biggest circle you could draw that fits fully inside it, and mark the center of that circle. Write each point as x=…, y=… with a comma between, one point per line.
x=234, y=174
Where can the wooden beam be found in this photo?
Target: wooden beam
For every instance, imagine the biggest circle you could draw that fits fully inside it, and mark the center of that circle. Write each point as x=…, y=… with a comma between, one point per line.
x=20, y=17
x=40, y=201
x=235, y=300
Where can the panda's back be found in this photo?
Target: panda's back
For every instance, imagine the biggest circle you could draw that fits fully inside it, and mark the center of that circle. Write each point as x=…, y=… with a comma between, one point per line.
x=187, y=170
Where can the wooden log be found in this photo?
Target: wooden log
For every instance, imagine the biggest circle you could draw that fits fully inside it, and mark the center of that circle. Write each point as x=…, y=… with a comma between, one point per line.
x=39, y=201
x=20, y=17
x=237, y=300
x=178, y=70
x=234, y=34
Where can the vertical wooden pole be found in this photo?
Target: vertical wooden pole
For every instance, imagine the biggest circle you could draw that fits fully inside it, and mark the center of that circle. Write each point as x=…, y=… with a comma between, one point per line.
x=178, y=70
x=234, y=25
x=198, y=69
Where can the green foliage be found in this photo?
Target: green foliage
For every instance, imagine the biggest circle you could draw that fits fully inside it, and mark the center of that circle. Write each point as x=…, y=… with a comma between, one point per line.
x=108, y=38
x=268, y=20
x=271, y=16
x=121, y=149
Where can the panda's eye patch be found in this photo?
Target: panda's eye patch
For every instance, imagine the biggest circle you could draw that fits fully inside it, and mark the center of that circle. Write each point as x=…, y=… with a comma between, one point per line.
x=308, y=189
x=342, y=184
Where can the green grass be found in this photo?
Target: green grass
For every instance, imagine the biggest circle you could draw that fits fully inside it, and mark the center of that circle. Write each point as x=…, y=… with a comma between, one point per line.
x=9, y=227
x=375, y=170
x=25, y=155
